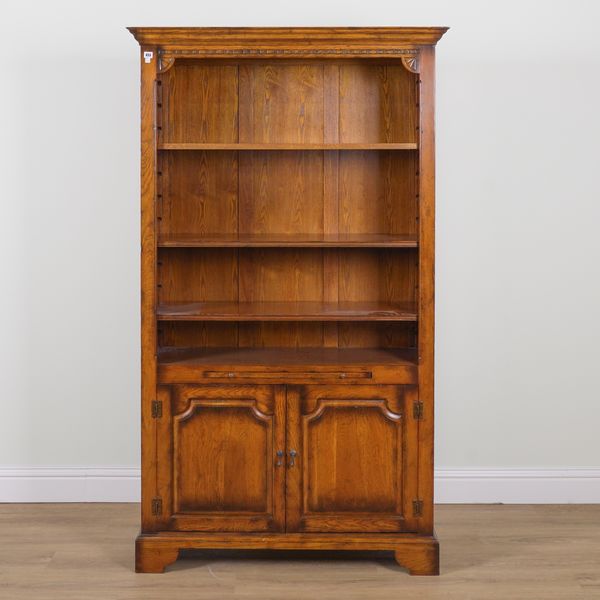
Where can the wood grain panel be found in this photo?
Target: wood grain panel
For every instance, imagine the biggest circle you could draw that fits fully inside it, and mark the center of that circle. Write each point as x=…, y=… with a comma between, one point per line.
x=292, y=334
x=352, y=451
x=187, y=275
x=378, y=275
x=236, y=485
x=200, y=103
x=426, y=346
x=202, y=334
x=233, y=438
x=378, y=192
x=199, y=193
x=163, y=462
x=378, y=103
x=148, y=184
x=281, y=103
x=197, y=334
x=281, y=275
x=331, y=193
x=353, y=466
x=377, y=335
x=281, y=192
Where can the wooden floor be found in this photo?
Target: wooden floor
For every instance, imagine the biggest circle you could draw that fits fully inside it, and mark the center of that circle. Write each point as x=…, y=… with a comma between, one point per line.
x=85, y=551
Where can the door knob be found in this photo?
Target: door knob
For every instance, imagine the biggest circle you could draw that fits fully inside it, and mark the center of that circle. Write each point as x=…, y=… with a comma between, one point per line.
x=293, y=455
x=279, y=462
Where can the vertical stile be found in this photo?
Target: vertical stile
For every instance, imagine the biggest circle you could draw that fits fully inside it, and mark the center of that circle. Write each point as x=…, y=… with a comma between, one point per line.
x=426, y=283
x=148, y=281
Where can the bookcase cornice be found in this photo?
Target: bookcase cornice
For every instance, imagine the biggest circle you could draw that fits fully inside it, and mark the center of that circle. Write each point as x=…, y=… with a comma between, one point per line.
x=307, y=41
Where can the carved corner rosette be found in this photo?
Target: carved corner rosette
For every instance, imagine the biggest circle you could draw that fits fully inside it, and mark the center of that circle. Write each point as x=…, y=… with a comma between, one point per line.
x=165, y=61
x=411, y=63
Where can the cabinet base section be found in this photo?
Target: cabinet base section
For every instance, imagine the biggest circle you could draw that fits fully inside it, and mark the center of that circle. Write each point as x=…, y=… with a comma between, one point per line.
x=155, y=551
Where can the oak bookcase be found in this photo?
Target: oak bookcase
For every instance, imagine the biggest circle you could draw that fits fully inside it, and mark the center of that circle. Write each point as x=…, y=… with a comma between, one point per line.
x=287, y=191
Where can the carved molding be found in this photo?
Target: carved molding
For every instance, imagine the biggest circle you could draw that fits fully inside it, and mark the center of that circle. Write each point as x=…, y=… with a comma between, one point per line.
x=411, y=63
x=244, y=403
x=407, y=54
x=324, y=403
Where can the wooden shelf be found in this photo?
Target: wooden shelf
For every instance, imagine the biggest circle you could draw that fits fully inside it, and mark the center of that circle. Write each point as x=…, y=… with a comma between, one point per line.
x=252, y=146
x=278, y=240
x=287, y=357
x=177, y=365
x=286, y=311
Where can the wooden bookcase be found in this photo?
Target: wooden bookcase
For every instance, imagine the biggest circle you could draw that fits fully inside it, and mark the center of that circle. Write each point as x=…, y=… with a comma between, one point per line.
x=287, y=186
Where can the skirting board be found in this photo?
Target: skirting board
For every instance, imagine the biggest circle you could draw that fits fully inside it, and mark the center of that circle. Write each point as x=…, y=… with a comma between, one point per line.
x=456, y=486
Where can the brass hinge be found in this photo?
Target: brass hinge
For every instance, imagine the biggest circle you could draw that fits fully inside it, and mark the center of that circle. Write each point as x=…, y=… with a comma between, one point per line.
x=417, y=410
x=156, y=409
x=417, y=508
x=156, y=507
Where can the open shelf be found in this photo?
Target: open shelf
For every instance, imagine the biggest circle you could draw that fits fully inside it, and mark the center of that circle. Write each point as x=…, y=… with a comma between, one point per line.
x=286, y=311
x=290, y=146
x=277, y=240
x=287, y=357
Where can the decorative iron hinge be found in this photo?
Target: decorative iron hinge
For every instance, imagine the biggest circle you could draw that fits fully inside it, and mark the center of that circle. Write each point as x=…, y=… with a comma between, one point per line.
x=417, y=508
x=157, y=506
x=156, y=409
x=417, y=410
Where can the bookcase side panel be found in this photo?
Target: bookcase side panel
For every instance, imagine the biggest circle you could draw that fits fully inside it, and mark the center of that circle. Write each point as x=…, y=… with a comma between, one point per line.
x=148, y=59
x=426, y=312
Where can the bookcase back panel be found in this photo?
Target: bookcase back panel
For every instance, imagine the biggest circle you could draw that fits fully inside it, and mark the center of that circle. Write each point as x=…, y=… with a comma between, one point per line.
x=377, y=275
x=199, y=192
x=291, y=334
x=206, y=192
x=281, y=275
x=281, y=192
x=377, y=192
x=199, y=103
x=262, y=101
x=196, y=334
x=186, y=275
x=377, y=103
x=294, y=334
x=281, y=103
x=376, y=335
x=285, y=275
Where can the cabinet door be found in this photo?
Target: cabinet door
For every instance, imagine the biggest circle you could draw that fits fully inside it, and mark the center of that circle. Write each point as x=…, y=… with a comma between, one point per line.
x=352, y=458
x=218, y=468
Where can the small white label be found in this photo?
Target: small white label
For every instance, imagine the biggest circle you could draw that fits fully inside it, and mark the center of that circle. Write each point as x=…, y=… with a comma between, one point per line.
x=148, y=56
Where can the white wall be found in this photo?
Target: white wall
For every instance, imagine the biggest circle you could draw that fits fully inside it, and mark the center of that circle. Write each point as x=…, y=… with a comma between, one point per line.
x=518, y=286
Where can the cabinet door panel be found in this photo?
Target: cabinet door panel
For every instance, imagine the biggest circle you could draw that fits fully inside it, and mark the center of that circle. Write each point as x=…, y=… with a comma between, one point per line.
x=355, y=468
x=219, y=447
